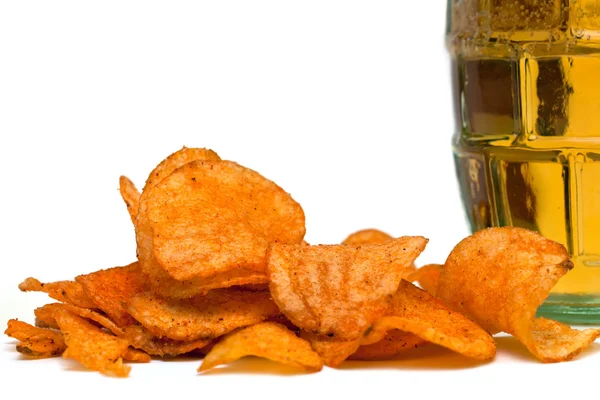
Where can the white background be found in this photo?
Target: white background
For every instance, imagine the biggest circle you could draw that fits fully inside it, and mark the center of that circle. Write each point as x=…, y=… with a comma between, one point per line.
x=345, y=104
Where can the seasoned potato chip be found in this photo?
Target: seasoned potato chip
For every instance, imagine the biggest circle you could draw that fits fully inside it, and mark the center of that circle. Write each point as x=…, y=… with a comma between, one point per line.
x=207, y=218
x=332, y=351
x=176, y=160
x=374, y=236
x=367, y=236
x=394, y=343
x=499, y=276
x=267, y=340
x=63, y=291
x=130, y=195
x=35, y=342
x=140, y=338
x=46, y=316
x=163, y=284
x=91, y=346
x=111, y=289
x=427, y=276
x=202, y=317
x=416, y=311
x=338, y=289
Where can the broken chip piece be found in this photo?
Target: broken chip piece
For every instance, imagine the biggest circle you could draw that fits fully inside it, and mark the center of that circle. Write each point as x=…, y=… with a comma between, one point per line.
x=64, y=291
x=97, y=350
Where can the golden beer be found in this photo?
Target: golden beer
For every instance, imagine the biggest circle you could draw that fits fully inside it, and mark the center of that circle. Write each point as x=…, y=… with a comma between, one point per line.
x=526, y=82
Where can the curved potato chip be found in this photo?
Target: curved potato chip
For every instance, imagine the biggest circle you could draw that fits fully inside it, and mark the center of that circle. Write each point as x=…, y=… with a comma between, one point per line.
x=427, y=276
x=35, y=342
x=201, y=317
x=130, y=195
x=140, y=338
x=394, y=343
x=164, y=285
x=63, y=291
x=338, y=289
x=211, y=217
x=176, y=160
x=498, y=277
x=374, y=236
x=110, y=289
x=367, y=236
x=267, y=340
x=91, y=346
x=416, y=311
x=46, y=316
x=332, y=351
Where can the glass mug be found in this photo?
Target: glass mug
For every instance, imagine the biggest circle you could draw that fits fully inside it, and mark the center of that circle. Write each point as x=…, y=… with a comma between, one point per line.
x=526, y=84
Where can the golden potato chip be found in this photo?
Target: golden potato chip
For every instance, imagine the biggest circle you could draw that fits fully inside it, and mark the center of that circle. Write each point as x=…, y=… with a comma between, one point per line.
x=394, y=343
x=35, y=342
x=164, y=285
x=63, y=291
x=207, y=218
x=367, y=236
x=91, y=346
x=332, y=351
x=136, y=355
x=559, y=342
x=427, y=276
x=140, y=338
x=499, y=276
x=111, y=289
x=268, y=340
x=338, y=289
x=416, y=311
x=131, y=197
x=201, y=317
x=374, y=236
x=176, y=160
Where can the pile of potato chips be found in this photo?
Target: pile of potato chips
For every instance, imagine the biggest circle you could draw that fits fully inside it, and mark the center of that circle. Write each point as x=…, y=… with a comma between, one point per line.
x=223, y=271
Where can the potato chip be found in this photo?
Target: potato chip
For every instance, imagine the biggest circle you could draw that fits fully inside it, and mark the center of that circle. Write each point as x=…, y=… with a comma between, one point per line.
x=131, y=197
x=416, y=311
x=367, y=236
x=338, y=289
x=63, y=291
x=201, y=317
x=374, y=236
x=111, y=289
x=46, y=316
x=91, y=346
x=209, y=217
x=176, y=160
x=35, y=342
x=427, y=276
x=394, y=342
x=499, y=276
x=163, y=284
x=332, y=351
x=267, y=340
x=140, y=338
